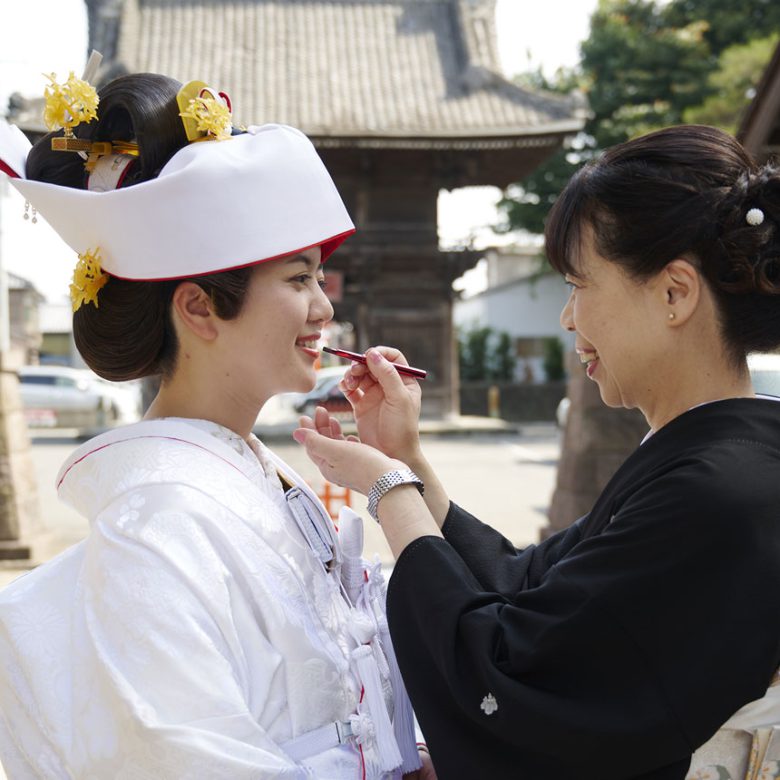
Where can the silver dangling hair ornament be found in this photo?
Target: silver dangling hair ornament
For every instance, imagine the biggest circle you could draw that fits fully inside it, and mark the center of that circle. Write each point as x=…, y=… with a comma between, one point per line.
x=754, y=217
x=27, y=212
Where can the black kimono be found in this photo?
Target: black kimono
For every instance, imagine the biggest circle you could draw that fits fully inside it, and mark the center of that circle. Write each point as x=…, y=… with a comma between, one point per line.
x=617, y=647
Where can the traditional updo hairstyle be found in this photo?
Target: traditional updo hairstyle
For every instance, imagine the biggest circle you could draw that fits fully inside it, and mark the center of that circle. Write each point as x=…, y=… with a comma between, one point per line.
x=131, y=334
x=682, y=192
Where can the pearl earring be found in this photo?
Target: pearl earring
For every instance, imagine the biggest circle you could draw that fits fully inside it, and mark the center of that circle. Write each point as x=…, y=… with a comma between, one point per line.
x=671, y=315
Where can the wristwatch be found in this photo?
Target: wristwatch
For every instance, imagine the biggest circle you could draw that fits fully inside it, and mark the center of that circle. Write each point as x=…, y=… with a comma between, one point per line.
x=387, y=482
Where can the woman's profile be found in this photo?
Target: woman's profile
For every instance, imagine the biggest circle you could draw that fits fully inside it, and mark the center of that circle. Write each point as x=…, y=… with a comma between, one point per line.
x=212, y=624
x=642, y=642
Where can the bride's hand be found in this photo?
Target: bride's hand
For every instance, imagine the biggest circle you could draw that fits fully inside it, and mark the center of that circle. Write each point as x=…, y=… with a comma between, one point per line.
x=342, y=460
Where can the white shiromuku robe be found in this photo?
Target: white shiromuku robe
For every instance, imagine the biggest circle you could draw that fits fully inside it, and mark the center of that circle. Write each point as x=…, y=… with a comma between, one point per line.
x=194, y=633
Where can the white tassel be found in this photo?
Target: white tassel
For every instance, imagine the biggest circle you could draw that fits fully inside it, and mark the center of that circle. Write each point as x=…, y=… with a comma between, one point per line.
x=351, y=538
x=386, y=747
x=403, y=715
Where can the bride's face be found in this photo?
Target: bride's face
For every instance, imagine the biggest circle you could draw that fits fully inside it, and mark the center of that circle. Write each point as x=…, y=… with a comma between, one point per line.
x=272, y=345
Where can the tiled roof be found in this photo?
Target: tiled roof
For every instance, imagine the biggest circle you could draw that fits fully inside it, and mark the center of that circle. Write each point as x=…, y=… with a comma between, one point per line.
x=389, y=69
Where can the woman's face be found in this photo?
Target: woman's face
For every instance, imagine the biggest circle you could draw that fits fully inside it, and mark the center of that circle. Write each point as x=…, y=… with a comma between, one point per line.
x=615, y=320
x=272, y=345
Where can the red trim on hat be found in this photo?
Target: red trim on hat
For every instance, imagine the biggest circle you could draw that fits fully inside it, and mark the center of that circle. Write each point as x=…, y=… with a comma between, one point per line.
x=6, y=168
x=329, y=245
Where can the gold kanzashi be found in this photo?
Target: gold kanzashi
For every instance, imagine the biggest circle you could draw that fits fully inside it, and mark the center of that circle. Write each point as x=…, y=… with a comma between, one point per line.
x=211, y=116
x=88, y=278
x=205, y=113
x=69, y=104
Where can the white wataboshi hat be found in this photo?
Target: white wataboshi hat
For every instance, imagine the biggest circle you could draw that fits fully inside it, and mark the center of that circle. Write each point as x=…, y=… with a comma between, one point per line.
x=215, y=206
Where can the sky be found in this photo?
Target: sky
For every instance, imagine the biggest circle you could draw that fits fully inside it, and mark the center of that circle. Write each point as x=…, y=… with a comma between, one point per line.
x=44, y=36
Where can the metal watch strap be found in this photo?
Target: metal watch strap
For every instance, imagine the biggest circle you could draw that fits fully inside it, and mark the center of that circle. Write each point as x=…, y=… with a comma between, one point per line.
x=387, y=482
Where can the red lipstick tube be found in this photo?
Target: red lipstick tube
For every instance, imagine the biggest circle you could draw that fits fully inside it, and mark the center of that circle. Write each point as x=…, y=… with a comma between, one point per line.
x=417, y=373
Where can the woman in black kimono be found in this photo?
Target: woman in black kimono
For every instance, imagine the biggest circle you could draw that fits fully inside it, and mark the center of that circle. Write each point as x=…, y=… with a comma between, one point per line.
x=618, y=647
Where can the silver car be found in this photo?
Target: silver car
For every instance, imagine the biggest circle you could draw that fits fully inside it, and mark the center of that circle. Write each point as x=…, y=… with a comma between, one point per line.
x=62, y=397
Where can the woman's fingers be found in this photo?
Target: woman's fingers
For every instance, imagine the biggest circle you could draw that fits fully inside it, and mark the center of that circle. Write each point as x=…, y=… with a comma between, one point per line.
x=385, y=374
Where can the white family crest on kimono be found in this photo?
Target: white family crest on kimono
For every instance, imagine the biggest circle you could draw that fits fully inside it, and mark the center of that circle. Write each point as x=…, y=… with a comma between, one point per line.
x=196, y=632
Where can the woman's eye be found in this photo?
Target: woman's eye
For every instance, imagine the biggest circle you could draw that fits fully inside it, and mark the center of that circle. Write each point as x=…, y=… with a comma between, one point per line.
x=301, y=278
x=322, y=283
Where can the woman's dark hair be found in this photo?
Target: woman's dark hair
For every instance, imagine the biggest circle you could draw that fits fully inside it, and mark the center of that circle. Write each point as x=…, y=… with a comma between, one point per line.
x=682, y=192
x=131, y=334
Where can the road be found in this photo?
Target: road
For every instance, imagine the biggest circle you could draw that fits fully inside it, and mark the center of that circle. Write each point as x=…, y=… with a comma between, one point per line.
x=505, y=479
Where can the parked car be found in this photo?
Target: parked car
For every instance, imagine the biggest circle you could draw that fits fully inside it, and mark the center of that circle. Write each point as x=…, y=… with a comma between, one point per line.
x=285, y=409
x=326, y=393
x=63, y=397
x=764, y=370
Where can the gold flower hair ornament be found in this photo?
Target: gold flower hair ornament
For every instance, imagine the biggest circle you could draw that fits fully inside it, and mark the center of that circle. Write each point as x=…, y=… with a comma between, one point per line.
x=206, y=113
x=69, y=104
x=88, y=279
x=73, y=103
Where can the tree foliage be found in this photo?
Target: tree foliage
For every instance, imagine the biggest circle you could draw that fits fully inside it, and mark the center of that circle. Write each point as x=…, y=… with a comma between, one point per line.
x=554, y=367
x=733, y=84
x=728, y=23
x=644, y=66
x=485, y=355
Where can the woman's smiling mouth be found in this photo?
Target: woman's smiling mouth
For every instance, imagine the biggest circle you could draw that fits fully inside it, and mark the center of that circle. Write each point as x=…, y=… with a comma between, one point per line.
x=590, y=358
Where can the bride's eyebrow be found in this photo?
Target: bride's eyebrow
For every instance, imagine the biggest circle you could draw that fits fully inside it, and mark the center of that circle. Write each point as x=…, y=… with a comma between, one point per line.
x=309, y=262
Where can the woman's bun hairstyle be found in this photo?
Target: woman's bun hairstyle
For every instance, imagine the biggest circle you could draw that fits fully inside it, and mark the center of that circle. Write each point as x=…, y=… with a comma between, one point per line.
x=683, y=192
x=130, y=334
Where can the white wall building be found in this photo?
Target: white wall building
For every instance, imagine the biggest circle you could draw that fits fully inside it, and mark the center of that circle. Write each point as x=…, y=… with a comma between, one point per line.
x=520, y=301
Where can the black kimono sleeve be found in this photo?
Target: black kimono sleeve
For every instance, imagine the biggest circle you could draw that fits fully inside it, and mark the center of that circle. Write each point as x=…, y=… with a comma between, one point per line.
x=627, y=654
x=495, y=561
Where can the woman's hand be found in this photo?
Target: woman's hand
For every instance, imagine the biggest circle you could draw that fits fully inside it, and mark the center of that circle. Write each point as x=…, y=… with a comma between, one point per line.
x=344, y=461
x=385, y=403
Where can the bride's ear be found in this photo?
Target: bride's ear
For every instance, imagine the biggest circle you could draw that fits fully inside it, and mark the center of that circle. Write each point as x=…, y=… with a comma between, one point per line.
x=193, y=310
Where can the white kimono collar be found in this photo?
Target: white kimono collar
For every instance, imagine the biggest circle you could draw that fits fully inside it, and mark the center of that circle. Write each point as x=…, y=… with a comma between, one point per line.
x=176, y=430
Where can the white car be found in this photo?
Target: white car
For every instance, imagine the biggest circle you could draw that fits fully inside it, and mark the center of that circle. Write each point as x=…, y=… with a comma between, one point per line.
x=765, y=372
x=63, y=397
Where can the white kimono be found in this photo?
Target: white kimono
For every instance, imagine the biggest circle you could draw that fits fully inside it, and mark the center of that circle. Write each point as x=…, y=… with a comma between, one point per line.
x=196, y=633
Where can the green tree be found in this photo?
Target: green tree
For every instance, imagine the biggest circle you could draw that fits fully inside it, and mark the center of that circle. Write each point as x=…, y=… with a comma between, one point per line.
x=503, y=360
x=484, y=354
x=728, y=23
x=553, y=360
x=473, y=353
x=733, y=84
x=646, y=66
x=639, y=72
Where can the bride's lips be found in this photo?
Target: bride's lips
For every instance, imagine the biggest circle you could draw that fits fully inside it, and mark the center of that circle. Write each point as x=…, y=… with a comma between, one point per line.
x=308, y=344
